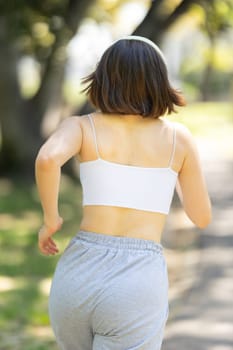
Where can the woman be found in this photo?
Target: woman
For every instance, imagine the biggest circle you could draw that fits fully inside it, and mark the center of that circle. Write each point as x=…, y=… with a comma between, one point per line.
x=110, y=288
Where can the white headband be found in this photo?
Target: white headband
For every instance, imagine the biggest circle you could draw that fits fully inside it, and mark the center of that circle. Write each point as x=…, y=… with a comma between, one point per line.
x=145, y=40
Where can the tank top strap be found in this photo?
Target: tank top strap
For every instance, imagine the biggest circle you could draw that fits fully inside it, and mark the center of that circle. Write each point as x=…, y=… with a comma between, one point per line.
x=173, y=147
x=94, y=134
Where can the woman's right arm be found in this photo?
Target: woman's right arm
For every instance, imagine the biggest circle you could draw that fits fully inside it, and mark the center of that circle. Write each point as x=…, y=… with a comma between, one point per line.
x=191, y=185
x=63, y=144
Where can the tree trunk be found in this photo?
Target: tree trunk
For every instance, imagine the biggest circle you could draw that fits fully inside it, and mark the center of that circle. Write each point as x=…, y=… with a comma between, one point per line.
x=205, y=84
x=21, y=120
x=156, y=23
x=208, y=70
x=150, y=27
x=14, y=148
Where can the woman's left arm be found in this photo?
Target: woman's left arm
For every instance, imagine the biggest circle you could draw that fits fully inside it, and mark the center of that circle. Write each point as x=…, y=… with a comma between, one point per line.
x=63, y=144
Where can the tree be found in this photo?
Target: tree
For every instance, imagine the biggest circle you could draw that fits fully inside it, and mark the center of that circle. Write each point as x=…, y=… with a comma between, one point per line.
x=159, y=19
x=218, y=18
x=43, y=30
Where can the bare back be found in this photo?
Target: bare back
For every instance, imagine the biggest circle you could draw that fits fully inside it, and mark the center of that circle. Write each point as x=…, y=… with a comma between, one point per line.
x=129, y=140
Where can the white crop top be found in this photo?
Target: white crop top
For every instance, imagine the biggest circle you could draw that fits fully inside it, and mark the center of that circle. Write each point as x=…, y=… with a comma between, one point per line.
x=113, y=184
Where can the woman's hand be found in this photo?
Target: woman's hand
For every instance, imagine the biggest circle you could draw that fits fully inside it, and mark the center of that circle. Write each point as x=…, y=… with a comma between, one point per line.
x=46, y=244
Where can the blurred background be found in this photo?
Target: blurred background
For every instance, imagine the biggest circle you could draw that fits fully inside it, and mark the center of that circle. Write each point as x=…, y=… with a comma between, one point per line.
x=46, y=47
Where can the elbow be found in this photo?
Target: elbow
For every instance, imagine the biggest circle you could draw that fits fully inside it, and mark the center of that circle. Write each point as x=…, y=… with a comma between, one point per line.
x=45, y=162
x=201, y=217
x=204, y=221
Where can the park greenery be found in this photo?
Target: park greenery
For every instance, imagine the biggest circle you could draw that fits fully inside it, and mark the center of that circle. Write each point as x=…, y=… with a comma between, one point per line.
x=42, y=30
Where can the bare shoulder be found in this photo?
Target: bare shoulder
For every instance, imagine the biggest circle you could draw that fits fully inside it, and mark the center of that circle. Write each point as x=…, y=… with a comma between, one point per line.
x=70, y=127
x=72, y=121
x=183, y=131
x=82, y=120
x=184, y=136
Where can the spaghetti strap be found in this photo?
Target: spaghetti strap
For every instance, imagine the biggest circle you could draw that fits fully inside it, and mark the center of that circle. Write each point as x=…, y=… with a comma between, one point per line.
x=173, y=147
x=94, y=135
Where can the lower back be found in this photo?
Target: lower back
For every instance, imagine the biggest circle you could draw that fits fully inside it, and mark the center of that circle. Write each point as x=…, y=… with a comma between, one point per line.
x=124, y=222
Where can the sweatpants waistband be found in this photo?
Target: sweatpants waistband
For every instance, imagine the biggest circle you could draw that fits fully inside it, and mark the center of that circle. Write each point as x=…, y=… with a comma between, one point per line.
x=118, y=242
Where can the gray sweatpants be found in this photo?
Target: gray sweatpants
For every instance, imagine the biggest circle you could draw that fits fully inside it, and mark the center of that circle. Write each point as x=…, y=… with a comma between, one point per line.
x=109, y=293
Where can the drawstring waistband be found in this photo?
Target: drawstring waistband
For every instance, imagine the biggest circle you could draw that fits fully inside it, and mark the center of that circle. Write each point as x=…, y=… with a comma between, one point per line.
x=119, y=242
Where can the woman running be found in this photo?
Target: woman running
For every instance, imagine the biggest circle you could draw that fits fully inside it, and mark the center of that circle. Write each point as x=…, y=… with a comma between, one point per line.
x=110, y=287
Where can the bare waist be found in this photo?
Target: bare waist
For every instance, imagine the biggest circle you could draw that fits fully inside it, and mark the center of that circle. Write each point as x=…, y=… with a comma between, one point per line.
x=123, y=222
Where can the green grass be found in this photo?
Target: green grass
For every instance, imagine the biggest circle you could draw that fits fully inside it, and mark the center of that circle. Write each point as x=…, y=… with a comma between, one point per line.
x=204, y=119
x=25, y=274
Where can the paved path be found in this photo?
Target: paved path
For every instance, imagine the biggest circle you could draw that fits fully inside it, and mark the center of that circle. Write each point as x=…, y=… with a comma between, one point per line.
x=204, y=316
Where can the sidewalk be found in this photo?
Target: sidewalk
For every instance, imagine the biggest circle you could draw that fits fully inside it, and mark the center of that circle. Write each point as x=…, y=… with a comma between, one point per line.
x=202, y=316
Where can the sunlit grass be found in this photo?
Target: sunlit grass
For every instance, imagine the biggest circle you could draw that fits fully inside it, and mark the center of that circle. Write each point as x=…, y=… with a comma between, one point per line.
x=25, y=275
x=211, y=123
x=204, y=119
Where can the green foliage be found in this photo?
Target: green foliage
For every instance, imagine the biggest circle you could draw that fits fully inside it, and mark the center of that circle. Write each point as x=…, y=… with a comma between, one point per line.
x=220, y=82
x=208, y=73
x=24, y=272
x=34, y=25
x=218, y=17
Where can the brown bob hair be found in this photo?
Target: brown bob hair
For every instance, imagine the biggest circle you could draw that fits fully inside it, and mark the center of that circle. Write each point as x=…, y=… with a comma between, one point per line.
x=131, y=78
